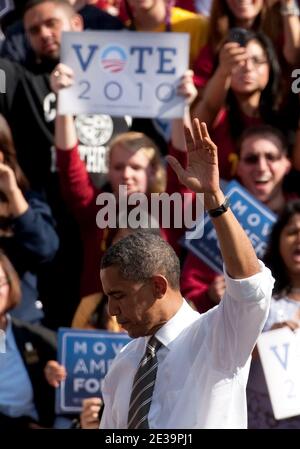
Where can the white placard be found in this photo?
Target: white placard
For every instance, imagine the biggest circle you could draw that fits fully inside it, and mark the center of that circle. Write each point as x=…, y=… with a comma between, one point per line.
x=279, y=351
x=124, y=73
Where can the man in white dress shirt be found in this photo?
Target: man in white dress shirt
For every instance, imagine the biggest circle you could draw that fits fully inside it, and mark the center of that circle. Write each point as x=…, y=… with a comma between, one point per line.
x=203, y=361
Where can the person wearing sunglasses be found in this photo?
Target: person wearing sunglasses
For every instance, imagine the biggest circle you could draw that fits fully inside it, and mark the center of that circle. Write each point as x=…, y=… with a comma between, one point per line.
x=262, y=169
x=263, y=165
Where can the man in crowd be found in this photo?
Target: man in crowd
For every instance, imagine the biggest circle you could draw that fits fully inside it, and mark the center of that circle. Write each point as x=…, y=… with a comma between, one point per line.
x=16, y=46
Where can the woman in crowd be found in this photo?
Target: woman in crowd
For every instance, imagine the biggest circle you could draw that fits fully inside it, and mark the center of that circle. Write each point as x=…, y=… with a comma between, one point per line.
x=283, y=258
x=243, y=92
x=26, y=399
x=279, y=19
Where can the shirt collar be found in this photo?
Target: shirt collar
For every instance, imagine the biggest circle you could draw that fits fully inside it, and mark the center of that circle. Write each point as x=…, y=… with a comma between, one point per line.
x=182, y=319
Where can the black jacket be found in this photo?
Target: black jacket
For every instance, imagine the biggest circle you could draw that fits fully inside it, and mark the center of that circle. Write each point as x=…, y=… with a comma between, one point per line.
x=32, y=244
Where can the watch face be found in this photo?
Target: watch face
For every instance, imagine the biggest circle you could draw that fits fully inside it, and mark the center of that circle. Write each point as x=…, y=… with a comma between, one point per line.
x=94, y=130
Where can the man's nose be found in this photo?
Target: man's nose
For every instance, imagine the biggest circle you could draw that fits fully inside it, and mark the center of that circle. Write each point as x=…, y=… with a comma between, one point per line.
x=262, y=163
x=127, y=172
x=45, y=31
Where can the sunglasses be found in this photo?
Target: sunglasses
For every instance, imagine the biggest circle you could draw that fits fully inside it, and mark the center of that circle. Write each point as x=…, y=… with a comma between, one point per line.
x=252, y=159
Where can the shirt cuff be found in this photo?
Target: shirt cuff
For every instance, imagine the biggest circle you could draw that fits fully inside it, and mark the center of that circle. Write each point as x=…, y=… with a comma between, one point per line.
x=25, y=220
x=255, y=287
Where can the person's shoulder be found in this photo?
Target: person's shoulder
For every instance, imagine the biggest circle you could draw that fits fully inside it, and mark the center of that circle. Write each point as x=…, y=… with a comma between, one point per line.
x=15, y=28
x=10, y=66
x=35, y=197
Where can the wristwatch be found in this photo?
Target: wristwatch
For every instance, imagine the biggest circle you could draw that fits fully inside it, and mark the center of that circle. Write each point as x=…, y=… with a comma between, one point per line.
x=219, y=210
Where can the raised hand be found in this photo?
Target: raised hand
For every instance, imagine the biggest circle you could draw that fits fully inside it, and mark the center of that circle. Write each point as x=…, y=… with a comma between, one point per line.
x=62, y=76
x=232, y=55
x=8, y=182
x=202, y=172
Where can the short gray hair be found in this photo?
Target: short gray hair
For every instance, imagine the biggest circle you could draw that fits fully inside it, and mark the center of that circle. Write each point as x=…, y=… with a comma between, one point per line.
x=141, y=255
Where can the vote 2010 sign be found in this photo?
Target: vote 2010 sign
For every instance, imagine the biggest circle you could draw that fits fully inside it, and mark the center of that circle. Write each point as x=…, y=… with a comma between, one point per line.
x=256, y=219
x=124, y=73
x=87, y=356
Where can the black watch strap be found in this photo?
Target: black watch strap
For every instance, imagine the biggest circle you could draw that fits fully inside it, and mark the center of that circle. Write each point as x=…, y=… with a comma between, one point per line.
x=219, y=210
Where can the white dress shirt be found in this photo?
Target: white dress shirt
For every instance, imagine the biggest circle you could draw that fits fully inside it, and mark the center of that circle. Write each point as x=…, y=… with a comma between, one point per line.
x=203, y=366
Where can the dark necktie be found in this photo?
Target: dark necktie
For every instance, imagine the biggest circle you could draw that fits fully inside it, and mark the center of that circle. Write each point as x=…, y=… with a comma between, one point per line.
x=143, y=386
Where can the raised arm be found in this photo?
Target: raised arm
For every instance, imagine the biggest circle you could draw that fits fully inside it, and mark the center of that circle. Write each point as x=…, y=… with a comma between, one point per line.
x=65, y=132
x=188, y=91
x=202, y=176
x=291, y=30
x=213, y=99
x=77, y=188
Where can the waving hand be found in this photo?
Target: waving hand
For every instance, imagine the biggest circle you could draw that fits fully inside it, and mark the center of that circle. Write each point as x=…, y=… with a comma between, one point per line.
x=202, y=173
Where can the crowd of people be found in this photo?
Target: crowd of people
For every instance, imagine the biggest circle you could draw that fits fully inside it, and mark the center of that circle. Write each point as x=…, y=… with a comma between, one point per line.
x=241, y=122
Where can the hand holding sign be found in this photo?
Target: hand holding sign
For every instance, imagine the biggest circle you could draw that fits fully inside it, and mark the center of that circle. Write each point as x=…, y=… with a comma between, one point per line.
x=186, y=87
x=89, y=417
x=62, y=76
x=55, y=373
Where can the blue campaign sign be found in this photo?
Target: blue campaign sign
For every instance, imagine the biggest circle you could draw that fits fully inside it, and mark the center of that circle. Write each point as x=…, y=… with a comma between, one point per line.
x=256, y=219
x=87, y=356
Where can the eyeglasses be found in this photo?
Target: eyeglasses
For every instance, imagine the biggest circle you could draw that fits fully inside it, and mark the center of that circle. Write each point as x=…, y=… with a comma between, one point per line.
x=252, y=159
x=256, y=61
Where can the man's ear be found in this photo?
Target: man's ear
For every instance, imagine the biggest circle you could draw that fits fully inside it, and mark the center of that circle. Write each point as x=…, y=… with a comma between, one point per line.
x=77, y=23
x=159, y=285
